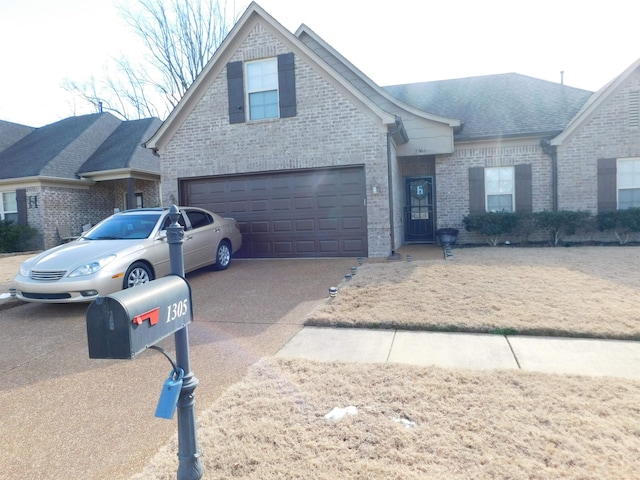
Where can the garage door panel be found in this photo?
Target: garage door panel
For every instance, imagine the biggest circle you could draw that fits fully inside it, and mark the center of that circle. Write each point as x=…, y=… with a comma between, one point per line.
x=281, y=204
x=293, y=213
x=305, y=247
x=283, y=248
x=327, y=201
x=352, y=223
x=282, y=226
x=304, y=203
x=305, y=225
x=259, y=206
x=328, y=224
x=354, y=246
x=259, y=227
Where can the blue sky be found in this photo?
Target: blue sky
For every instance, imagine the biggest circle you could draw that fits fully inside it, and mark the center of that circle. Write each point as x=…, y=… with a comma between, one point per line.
x=44, y=42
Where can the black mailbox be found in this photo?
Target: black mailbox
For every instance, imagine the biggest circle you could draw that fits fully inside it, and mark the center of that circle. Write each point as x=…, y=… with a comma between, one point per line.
x=126, y=323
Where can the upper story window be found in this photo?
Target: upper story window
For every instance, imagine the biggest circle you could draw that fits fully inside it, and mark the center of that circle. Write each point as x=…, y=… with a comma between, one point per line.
x=262, y=89
x=9, y=207
x=499, y=183
x=628, y=181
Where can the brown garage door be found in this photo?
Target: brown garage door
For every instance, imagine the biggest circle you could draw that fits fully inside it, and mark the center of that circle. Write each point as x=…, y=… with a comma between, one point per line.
x=301, y=213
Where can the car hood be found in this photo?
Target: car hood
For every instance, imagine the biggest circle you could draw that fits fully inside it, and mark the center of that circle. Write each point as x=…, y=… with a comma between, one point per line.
x=73, y=254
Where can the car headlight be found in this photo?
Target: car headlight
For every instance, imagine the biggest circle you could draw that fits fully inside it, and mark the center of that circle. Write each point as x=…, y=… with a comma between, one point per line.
x=92, y=267
x=24, y=270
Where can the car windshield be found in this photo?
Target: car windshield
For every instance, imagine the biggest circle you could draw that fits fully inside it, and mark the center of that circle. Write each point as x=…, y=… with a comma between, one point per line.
x=119, y=227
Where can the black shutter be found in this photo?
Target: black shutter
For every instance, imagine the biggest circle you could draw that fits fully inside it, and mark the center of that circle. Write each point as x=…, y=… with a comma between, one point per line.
x=235, y=85
x=476, y=190
x=287, y=85
x=21, y=200
x=524, y=191
x=607, y=184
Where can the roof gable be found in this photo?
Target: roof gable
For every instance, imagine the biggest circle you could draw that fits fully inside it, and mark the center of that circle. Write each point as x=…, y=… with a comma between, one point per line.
x=214, y=68
x=594, y=103
x=497, y=105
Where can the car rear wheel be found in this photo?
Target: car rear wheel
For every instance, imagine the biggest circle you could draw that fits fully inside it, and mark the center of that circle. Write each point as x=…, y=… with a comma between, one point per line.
x=137, y=274
x=223, y=256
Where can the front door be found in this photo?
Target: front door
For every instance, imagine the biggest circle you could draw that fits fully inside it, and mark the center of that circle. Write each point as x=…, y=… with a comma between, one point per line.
x=419, y=212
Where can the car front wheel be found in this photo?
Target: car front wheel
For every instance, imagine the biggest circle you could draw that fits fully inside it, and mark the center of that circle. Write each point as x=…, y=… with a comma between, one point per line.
x=223, y=256
x=137, y=274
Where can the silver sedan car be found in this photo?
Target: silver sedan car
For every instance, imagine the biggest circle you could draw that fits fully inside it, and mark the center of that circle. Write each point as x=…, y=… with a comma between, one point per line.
x=127, y=249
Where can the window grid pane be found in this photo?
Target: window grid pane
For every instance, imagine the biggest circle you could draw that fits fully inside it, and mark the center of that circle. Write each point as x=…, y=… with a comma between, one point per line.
x=499, y=203
x=262, y=76
x=263, y=105
x=628, y=198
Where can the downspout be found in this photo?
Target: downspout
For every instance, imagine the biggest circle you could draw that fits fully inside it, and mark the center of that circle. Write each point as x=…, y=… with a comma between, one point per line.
x=399, y=129
x=552, y=151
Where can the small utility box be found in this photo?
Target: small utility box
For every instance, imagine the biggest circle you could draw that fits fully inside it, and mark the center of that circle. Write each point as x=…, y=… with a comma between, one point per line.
x=128, y=322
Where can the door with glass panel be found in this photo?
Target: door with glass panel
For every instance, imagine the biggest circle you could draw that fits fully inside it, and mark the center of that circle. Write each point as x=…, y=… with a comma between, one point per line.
x=419, y=210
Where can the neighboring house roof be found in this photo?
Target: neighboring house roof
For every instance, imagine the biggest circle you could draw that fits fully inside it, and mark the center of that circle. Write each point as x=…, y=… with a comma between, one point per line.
x=85, y=143
x=596, y=100
x=10, y=133
x=503, y=105
x=123, y=148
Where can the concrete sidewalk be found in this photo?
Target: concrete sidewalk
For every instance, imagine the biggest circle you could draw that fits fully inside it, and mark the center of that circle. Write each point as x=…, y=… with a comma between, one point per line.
x=573, y=356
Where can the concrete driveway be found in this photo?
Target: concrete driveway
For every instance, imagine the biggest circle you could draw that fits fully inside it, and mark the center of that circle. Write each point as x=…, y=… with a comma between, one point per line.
x=65, y=416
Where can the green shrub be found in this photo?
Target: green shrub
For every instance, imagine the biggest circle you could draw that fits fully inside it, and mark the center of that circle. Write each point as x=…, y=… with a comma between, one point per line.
x=15, y=238
x=491, y=224
x=561, y=223
x=622, y=222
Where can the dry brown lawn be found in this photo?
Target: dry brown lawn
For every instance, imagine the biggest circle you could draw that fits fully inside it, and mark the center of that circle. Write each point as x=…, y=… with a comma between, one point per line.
x=577, y=291
x=467, y=424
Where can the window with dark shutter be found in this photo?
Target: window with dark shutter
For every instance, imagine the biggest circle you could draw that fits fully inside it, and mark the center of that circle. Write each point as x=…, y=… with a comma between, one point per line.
x=287, y=85
x=523, y=187
x=21, y=200
x=607, y=186
x=476, y=190
x=235, y=85
x=261, y=94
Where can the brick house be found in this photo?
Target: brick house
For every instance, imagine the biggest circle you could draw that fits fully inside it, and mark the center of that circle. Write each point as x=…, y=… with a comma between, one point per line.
x=314, y=159
x=75, y=172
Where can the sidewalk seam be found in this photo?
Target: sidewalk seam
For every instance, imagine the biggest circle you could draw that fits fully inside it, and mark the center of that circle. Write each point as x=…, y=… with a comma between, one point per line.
x=395, y=332
x=513, y=352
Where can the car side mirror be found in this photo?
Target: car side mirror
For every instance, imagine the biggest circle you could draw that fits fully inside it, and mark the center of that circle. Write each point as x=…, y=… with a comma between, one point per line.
x=162, y=234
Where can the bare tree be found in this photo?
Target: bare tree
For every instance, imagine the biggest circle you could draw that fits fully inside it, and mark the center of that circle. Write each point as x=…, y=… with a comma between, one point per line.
x=178, y=38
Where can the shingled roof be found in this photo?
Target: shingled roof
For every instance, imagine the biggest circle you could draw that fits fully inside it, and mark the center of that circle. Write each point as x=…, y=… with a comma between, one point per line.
x=123, y=148
x=504, y=105
x=11, y=132
x=80, y=144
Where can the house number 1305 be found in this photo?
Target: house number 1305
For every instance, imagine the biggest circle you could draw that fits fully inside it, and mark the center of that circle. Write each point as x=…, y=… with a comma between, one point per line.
x=177, y=310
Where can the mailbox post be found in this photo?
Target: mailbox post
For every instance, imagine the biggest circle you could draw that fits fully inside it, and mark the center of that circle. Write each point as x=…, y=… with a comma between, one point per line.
x=189, y=466
x=128, y=322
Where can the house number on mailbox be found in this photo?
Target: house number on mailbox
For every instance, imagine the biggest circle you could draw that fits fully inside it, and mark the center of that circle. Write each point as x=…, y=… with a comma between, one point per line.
x=177, y=310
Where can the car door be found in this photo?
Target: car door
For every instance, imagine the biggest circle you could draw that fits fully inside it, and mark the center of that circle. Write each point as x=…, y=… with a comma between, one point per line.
x=200, y=239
